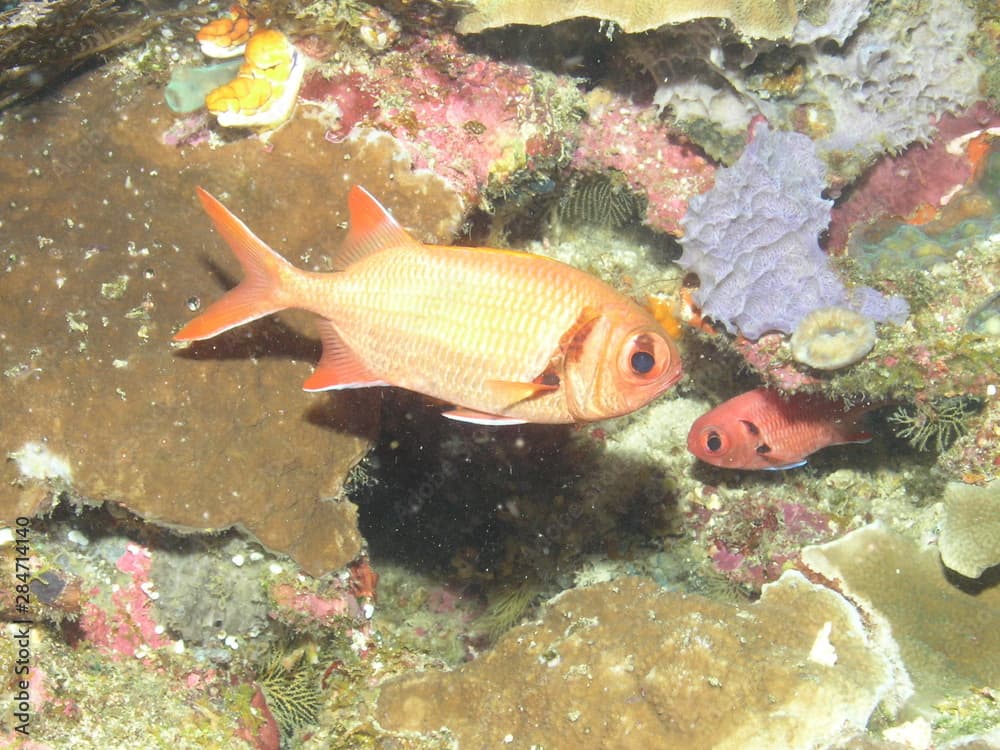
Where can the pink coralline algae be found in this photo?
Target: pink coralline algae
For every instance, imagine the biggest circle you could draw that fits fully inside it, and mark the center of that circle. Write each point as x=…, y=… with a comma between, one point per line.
x=468, y=119
x=298, y=606
x=656, y=161
x=126, y=627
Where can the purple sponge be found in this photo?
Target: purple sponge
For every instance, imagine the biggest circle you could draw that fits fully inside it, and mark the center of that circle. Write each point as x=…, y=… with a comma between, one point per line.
x=753, y=242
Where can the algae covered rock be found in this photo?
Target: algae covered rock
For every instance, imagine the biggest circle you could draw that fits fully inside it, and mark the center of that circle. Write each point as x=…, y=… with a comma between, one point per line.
x=627, y=664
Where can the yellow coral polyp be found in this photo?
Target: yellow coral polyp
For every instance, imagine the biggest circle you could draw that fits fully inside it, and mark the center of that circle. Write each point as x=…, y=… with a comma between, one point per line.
x=227, y=36
x=243, y=94
x=263, y=93
x=269, y=49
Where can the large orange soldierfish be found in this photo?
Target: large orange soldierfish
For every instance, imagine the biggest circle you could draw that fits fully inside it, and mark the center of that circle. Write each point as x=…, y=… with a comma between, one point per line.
x=507, y=337
x=761, y=429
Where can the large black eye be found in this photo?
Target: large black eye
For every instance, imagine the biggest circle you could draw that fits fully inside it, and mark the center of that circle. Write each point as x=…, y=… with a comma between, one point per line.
x=714, y=442
x=642, y=362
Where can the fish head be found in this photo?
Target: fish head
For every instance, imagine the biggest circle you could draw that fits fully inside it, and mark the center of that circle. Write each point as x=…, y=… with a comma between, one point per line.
x=723, y=438
x=617, y=362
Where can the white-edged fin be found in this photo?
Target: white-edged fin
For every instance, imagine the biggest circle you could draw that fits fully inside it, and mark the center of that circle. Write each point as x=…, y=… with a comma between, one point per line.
x=338, y=367
x=795, y=465
x=460, y=414
x=372, y=229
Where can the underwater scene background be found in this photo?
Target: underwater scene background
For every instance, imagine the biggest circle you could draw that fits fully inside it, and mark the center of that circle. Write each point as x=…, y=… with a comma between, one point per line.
x=797, y=545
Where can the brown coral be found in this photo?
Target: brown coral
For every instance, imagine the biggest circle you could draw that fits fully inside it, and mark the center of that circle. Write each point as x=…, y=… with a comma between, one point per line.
x=629, y=665
x=768, y=19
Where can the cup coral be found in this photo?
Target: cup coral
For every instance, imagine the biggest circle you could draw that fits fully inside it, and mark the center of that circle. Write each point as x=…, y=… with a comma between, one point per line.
x=832, y=337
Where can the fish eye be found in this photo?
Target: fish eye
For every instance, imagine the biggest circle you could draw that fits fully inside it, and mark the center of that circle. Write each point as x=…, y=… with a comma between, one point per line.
x=642, y=362
x=713, y=442
x=645, y=357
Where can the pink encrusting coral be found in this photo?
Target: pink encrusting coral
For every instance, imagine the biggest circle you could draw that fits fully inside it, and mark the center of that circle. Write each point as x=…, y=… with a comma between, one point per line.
x=127, y=626
x=656, y=161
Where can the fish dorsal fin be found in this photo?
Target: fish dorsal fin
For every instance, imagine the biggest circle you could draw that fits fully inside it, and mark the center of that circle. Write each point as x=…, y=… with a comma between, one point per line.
x=338, y=367
x=371, y=229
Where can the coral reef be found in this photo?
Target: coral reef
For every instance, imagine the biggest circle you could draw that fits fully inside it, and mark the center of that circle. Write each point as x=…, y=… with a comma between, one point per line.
x=942, y=632
x=771, y=19
x=970, y=529
x=832, y=337
x=753, y=239
x=657, y=162
x=627, y=664
x=857, y=99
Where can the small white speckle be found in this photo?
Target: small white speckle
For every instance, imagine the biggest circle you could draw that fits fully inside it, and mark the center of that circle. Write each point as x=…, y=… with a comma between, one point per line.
x=368, y=610
x=178, y=647
x=991, y=390
x=238, y=560
x=508, y=738
x=77, y=537
x=274, y=568
x=232, y=642
x=6, y=535
x=256, y=557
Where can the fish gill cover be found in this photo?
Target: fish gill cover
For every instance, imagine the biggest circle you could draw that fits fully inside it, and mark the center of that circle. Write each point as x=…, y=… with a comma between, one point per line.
x=753, y=241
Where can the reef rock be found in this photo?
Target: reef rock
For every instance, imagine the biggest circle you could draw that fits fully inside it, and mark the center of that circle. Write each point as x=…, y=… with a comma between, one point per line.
x=947, y=636
x=753, y=241
x=627, y=664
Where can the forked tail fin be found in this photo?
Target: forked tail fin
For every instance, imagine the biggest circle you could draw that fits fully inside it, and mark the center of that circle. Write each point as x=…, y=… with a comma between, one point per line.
x=260, y=292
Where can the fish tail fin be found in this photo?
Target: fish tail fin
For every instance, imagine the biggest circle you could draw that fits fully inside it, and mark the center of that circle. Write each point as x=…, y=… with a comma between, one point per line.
x=260, y=292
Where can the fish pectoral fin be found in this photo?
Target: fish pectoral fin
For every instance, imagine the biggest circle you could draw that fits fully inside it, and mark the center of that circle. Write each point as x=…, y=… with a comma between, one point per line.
x=338, y=367
x=461, y=414
x=510, y=392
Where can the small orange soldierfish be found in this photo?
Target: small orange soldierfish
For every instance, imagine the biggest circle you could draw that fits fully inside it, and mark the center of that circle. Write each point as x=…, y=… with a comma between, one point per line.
x=762, y=430
x=507, y=337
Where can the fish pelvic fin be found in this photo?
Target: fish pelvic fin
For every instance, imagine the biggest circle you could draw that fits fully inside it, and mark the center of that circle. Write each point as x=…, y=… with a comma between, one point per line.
x=372, y=229
x=258, y=294
x=338, y=368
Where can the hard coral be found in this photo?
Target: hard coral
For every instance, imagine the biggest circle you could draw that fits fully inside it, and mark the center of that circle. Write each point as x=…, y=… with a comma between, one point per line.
x=753, y=241
x=970, y=531
x=770, y=19
x=747, y=677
